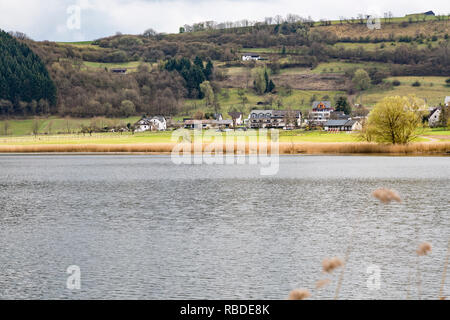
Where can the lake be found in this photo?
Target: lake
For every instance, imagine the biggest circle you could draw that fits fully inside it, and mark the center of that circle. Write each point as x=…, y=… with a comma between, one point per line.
x=141, y=227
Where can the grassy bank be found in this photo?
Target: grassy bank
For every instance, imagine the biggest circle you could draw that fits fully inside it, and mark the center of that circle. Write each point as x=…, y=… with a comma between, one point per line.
x=440, y=148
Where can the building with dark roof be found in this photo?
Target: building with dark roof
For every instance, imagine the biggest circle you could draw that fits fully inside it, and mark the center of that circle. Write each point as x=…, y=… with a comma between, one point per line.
x=342, y=125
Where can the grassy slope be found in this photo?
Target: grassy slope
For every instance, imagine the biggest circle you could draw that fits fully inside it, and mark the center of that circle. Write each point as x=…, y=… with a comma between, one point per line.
x=433, y=90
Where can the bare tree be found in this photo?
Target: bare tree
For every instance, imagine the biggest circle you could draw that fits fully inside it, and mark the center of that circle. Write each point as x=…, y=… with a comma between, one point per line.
x=278, y=19
x=35, y=126
x=68, y=125
x=6, y=127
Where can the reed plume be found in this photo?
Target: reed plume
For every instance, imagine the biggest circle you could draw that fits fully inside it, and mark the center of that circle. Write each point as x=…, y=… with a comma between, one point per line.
x=423, y=249
x=386, y=195
x=299, y=294
x=329, y=265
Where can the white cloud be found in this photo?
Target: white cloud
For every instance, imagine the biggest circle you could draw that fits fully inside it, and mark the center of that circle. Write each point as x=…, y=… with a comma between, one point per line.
x=47, y=20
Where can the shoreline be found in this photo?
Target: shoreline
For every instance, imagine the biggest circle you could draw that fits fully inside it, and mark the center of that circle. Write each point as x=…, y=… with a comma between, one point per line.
x=284, y=148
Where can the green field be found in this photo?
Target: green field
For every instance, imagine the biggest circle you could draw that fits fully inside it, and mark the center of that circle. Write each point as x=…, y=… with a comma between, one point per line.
x=54, y=125
x=162, y=137
x=131, y=66
x=341, y=67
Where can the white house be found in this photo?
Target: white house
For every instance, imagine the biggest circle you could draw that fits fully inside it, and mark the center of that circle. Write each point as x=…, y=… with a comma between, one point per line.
x=157, y=123
x=433, y=119
x=251, y=57
x=237, y=117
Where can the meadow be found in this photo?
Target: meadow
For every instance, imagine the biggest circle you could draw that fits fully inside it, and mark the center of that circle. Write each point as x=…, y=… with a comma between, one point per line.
x=432, y=90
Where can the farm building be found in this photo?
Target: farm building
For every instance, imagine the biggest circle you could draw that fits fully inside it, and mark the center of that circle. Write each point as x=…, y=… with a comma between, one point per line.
x=342, y=125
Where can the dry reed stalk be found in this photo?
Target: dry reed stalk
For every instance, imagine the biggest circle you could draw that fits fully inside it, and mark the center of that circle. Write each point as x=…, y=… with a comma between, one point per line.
x=444, y=273
x=347, y=256
x=423, y=249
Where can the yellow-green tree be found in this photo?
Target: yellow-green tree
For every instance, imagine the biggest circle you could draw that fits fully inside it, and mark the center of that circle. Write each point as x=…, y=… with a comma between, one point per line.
x=395, y=120
x=361, y=79
x=208, y=92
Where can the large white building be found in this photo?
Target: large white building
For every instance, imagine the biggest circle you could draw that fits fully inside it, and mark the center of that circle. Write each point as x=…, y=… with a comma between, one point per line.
x=321, y=113
x=275, y=119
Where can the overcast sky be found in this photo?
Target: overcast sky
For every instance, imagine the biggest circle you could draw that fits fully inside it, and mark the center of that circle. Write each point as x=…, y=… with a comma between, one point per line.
x=48, y=19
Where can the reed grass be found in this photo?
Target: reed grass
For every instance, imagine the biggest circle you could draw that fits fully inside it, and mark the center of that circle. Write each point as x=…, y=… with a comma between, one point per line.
x=237, y=148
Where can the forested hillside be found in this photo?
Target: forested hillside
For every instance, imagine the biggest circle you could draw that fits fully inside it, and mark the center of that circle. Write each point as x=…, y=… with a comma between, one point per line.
x=25, y=85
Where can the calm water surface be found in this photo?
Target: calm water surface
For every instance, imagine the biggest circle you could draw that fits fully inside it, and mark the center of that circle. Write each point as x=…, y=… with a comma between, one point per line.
x=140, y=227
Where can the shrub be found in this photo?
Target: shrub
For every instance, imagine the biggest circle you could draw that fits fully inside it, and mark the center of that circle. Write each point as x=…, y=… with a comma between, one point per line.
x=396, y=83
x=416, y=84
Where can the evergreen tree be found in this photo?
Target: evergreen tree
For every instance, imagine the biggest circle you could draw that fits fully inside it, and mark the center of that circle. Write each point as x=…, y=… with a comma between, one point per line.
x=209, y=70
x=23, y=76
x=343, y=105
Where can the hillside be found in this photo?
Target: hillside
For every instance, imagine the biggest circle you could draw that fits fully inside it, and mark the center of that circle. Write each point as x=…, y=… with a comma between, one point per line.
x=306, y=61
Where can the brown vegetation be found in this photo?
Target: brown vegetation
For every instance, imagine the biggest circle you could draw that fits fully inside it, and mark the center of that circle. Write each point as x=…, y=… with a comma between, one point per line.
x=439, y=148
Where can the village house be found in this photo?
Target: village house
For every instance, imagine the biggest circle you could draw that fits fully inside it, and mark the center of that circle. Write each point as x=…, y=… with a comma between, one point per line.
x=208, y=124
x=435, y=114
x=321, y=113
x=342, y=125
x=158, y=123
x=237, y=117
x=285, y=119
x=251, y=57
x=433, y=118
